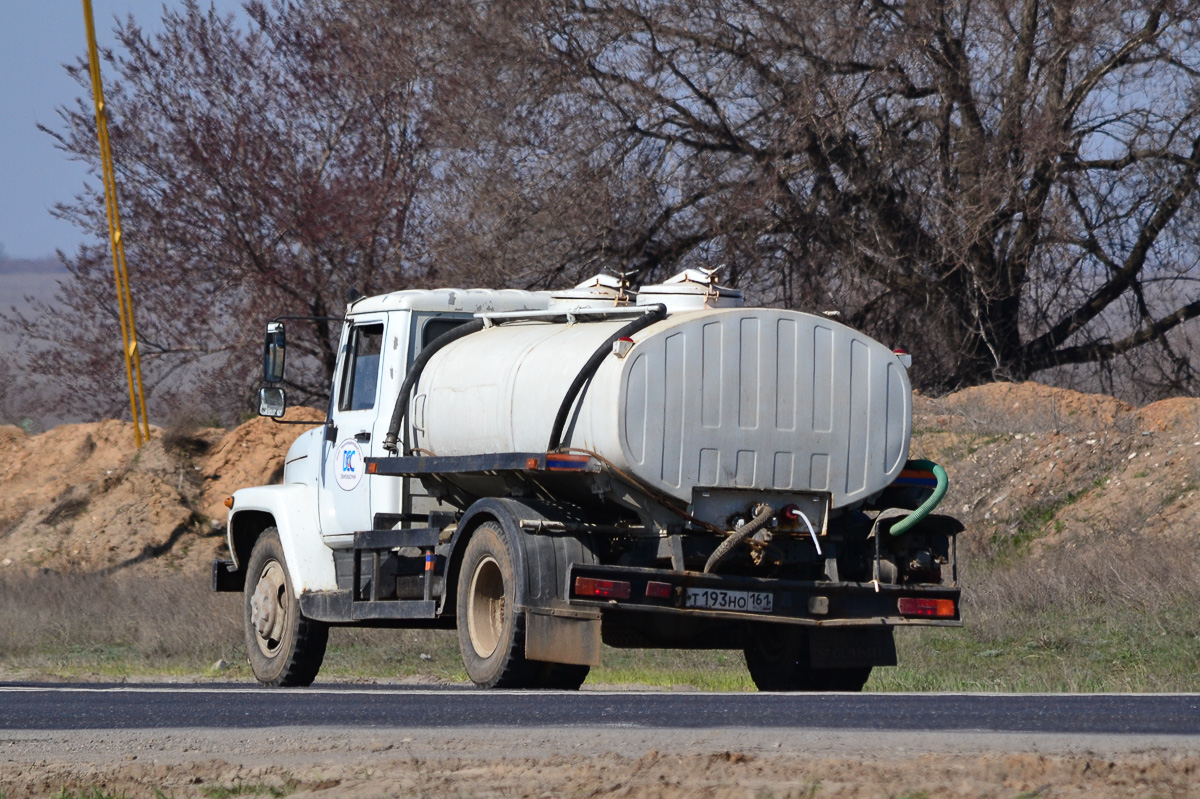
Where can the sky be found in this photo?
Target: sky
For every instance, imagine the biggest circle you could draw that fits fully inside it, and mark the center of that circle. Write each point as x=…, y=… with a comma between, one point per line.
x=36, y=38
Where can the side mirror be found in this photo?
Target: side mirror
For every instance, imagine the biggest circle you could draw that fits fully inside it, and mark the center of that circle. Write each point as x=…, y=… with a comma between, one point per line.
x=274, y=352
x=272, y=401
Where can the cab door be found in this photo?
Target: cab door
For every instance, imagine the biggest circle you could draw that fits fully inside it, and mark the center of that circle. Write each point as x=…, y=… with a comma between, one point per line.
x=351, y=433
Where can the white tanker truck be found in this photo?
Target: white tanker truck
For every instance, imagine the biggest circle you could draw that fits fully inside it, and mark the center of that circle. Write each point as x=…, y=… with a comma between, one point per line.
x=547, y=471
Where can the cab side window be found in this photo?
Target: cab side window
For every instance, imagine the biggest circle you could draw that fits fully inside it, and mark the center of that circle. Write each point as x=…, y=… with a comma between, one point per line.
x=436, y=327
x=360, y=378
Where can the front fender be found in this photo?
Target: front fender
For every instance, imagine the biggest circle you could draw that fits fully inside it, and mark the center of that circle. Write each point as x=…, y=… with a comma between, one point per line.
x=292, y=509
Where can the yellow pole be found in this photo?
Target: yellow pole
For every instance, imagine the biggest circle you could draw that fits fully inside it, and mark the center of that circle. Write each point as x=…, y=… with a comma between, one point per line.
x=133, y=360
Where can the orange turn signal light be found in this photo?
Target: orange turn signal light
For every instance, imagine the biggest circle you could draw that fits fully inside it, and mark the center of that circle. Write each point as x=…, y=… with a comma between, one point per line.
x=611, y=589
x=917, y=606
x=229, y=502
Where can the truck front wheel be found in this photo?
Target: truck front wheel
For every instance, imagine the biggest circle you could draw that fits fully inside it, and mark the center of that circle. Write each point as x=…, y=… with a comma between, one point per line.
x=284, y=647
x=491, y=633
x=778, y=660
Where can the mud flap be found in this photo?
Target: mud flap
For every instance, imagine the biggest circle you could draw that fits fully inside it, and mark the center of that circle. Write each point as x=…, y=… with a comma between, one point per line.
x=562, y=639
x=832, y=648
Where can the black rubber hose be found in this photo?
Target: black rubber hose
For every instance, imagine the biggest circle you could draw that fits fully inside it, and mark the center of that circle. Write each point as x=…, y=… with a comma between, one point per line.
x=654, y=313
x=391, y=440
x=762, y=514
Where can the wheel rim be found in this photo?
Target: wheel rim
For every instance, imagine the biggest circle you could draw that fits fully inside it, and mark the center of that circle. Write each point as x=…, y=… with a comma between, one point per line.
x=485, y=608
x=269, y=608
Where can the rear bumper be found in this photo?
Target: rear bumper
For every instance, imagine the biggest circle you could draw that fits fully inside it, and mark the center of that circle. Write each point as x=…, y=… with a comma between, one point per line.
x=791, y=601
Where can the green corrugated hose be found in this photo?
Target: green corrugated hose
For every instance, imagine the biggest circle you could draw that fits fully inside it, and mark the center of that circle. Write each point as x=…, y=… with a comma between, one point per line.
x=908, y=522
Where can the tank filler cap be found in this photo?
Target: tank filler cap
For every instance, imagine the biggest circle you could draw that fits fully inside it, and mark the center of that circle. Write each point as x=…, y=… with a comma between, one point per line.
x=598, y=291
x=690, y=290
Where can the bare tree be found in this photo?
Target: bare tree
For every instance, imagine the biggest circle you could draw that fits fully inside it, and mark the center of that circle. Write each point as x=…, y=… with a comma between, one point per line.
x=1004, y=186
x=1007, y=186
x=265, y=166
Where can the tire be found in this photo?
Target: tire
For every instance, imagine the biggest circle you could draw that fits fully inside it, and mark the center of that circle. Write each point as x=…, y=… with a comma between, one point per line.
x=561, y=676
x=491, y=635
x=778, y=661
x=284, y=647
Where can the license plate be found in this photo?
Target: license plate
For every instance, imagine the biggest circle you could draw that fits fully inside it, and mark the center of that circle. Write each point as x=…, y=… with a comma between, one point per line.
x=719, y=599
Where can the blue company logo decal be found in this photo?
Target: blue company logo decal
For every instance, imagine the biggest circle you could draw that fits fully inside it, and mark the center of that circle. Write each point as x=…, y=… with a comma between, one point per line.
x=348, y=465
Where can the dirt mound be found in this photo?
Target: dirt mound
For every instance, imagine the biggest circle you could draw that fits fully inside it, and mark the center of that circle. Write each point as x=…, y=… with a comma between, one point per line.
x=1020, y=408
x=1032, y=465
x=249, y=455
x=83, y=497
x=1028, y=465
x=33, y=468
x=1179, y=415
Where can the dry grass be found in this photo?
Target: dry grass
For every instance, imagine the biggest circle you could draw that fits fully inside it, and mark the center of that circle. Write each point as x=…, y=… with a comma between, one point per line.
x=1114, y=615
x=1127, y=580
x=70, y=624
x=1111, y=615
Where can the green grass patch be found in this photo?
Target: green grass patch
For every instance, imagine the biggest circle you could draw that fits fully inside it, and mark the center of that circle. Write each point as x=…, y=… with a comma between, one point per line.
x=948, y=447
x=1031, y=524
x=705, y=670
x=247, y=789
x=976, y=443
x=87, y=793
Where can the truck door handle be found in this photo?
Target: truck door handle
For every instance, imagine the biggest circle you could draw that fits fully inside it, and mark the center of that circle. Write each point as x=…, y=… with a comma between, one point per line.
x=363, y=437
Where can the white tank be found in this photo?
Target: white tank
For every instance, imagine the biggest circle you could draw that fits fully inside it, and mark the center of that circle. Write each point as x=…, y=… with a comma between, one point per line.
x=740, y=397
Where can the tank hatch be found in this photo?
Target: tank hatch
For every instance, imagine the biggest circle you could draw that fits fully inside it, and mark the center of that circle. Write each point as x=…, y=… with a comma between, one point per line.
x=690, y=290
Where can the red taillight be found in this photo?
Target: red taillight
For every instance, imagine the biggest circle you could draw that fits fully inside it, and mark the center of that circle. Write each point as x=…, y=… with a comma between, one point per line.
x=612, y=589
x=936, y=608
x=657, y=590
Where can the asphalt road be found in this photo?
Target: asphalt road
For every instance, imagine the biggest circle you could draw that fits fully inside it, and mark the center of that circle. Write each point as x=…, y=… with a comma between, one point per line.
x=130, y=707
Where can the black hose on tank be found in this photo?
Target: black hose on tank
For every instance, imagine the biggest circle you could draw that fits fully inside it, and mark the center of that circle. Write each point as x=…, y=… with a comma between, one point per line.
x=654, y=313
x=391, y=440
x=762, y=514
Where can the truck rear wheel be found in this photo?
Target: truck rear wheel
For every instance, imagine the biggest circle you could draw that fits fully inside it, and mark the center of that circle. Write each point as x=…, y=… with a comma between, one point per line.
x=778, y=660
x=491, y=633
x=284, y=647
x=561, y=676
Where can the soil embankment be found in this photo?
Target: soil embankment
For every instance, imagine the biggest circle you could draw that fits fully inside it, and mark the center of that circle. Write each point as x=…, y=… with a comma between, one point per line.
x=1035, y=465
x=84, y=498
x=1029, y=465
